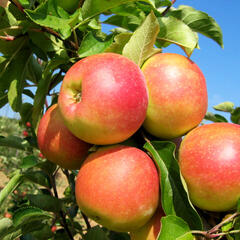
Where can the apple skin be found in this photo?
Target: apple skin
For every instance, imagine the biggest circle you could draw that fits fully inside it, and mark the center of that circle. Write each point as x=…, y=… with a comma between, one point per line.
x=118, y=187
x=103, y=98
x=151, y=229
x=209, y=159
x=177, y=95
x=57, y=143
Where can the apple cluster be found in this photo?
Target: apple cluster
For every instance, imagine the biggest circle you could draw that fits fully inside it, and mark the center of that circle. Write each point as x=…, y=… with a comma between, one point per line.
x=104, y=99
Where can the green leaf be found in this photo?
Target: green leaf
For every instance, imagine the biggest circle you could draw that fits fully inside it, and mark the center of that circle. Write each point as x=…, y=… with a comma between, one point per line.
x=215, y=117
x=38, y=177
x=34, y=70
x=49, y=15
x=47, y=166
x=235, y=116
x=29, y=162
x=175, y=31
x=29, y=214
x=91, y=44
x=199, y=22
x=26, y=112
x=95, y=233
x=13, y=142
x=141, y=44
x=175, y=199
x=14, y=182
x=225, y=107
x=174, y=228
x=237, y=227
x=43, y=88
x=120, y=41
x=5, y=225
x=45, y=202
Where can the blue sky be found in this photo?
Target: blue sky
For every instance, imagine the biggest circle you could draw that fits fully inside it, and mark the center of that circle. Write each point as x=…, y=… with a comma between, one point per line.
x=219, y=66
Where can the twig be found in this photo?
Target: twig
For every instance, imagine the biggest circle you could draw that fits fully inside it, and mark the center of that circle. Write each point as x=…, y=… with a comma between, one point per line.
x=86, y=220
x=167, y=9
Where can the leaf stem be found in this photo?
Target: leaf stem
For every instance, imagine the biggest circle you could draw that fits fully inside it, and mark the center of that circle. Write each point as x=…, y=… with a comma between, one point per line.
x=168, y=8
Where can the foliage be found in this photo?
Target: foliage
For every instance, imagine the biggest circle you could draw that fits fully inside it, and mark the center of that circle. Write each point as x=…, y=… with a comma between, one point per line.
x=39, y=42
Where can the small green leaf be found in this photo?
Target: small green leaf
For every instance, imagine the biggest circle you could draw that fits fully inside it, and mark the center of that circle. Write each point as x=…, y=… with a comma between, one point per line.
x=48, y=15
x=38, y=177
x=215, y=117
x=13, y=142
x=175, y=31
x=141, y=44
x=14, y=182
x=47, y=166
x=29, y=161
x=91, y=44
x=174, y=228
x=200, y=22
x=95, y=233
x=237, y=227
x=5, y=225
x=225, y=107
x=45, y=202
x=175, y=199
x=235, y=116
x=29, y=214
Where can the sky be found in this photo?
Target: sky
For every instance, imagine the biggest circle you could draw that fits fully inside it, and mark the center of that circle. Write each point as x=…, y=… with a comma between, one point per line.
x=220, y=66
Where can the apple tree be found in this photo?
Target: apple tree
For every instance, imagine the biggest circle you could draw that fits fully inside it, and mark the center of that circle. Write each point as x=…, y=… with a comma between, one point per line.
x=40, y=40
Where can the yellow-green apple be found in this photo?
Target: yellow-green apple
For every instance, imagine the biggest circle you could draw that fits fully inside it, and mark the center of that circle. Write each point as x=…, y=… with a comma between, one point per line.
x=57, y=143
x=118, y=187
x=209, y=159
x=177, y=95
x=151, y=229
x=68, y=5
x=103, y=98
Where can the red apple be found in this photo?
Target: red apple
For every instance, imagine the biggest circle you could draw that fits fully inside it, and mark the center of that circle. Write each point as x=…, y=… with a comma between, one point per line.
x=118, y=187
x=209, y=159
x=54, y=228
x=103, y=98
x=177, y=95
x=7, y=215
x=28, y=124
x=151, y=229
x=57, y=143
x=25, y=133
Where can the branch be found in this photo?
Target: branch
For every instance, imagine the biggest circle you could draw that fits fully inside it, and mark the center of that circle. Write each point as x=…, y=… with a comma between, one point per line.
x=168, y=8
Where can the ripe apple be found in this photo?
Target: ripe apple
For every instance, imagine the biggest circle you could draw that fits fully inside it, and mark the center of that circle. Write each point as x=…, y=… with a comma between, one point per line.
x=177, y=95
x=118, y=187
x=209, y=159
x=103, y=98
x=151, y=229
x=57, y=143
x=68, y=5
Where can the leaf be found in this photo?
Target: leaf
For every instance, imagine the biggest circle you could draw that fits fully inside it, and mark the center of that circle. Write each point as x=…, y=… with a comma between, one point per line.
x=95, y=233
x=120, y=41
x=49, y=15
x=199, y=22
x=29, y=162
x=13, y=142
x=215, y=117
x=38, y=177
x=141, y=44
x=45, y=202
x=175, y=199
x=5, y=225
x=43, y=88
x=237, y=227
x=235, y=116
x=91, y=44
x=14, y=182
x=174, y=228
x=29, y=214
x=175, y=31
x=225, y=107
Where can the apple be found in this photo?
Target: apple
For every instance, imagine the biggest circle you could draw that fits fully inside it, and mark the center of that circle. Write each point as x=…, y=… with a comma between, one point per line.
x=177, y=95
x=103, y=98
x=209, y=159
x=118, y=187
x=151, y=229
x=25, y=133
x=57, y=143
x=28, y=124
x=68, y=5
